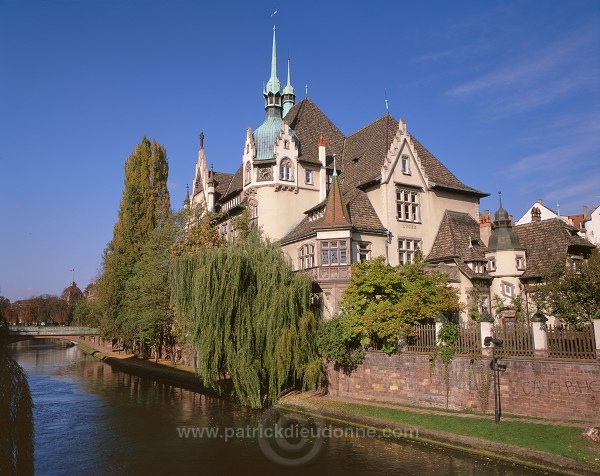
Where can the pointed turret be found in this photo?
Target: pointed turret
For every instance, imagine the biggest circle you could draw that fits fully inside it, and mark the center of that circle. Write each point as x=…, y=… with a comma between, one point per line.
x=267, y=133
x=289, y=95
x=336, y=213
x=186, y=202
x=503, y=236
x=273, y=89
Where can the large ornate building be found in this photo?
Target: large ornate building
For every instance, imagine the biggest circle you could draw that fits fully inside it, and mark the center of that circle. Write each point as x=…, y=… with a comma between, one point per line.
x=332, y=200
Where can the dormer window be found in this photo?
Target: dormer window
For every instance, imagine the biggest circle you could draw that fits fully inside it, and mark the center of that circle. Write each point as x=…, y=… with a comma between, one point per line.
x=285, y=170
x=477, y=266
x=491, y=264
x=405, y=165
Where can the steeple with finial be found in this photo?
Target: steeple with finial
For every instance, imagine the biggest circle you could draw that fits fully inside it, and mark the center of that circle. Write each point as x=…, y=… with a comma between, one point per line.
x=273, y=91
x=186, y=202
x=503, y=236
x=289, y=95
x=336, y=214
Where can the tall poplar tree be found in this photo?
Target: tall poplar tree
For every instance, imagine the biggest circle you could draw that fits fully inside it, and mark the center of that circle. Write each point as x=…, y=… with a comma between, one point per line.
x=144, y=206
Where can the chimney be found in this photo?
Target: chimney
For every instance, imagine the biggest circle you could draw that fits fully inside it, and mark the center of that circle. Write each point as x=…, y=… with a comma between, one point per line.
x=323, y=173
x=540, y=201
x=584, y=212
x=485, y=227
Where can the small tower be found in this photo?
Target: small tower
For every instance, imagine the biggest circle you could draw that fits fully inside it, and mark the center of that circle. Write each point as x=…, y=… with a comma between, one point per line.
x=289, y=95
x=186, y=202
x=506, y=257
x=273, y=90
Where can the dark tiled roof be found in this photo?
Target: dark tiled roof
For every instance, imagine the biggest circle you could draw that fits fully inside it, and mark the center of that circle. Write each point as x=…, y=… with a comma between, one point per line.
x=361, y=213
x=235, y=184
x=309, y=123
x=438, y=173
x=365, y=151
x=452, y=239
x=222, y=182
x=547, y=243
x=336, y=213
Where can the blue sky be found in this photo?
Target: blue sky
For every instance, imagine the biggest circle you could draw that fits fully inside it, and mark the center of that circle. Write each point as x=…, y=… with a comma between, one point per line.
x=504, y=93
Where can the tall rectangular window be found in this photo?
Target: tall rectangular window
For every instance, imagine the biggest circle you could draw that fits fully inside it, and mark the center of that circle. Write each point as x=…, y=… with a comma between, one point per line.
x=407, y=250
x=407, y=205
x=308, y=176
x=363, y=252
x=306, y=256
x=405, y=165
x=334, y=253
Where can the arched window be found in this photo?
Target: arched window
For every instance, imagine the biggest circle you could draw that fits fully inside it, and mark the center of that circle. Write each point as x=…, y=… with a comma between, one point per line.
x=286, y=171
x=248, y=173
x=286, y=144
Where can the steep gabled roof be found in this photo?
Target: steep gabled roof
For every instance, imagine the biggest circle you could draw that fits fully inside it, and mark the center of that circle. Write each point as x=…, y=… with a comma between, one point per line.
x=457, y=238
x=222, y=182
x=439, y=174
x=235, y=184
x=336, y=213
x=361, y=215
x=309, y=123
x=365, y=151
x=547, y=243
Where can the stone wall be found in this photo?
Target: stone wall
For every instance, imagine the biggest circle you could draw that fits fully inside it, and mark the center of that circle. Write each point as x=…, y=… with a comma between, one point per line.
x=542, y=388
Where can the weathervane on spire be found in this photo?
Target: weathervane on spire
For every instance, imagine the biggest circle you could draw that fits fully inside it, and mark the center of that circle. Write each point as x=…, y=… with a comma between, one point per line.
x=387, y=108
x=274, y=15
x=558, y=211
x=306, y=88
x=72, y=270
x=500, y=197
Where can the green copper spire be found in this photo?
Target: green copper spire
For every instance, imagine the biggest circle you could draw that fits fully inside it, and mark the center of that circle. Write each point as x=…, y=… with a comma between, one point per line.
x=273, y=86
x=288, y=88
x=289, y=95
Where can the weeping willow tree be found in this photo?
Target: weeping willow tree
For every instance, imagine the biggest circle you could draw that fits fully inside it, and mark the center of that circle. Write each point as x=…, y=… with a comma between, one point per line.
x=16, y=418
x=248, y=317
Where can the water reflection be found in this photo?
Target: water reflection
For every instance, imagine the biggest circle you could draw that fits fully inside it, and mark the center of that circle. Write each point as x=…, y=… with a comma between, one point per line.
x=16, y=418
x=91, y=419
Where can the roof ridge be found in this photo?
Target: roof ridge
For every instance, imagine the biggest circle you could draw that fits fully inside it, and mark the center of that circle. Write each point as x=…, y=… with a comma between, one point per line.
x=371, y=123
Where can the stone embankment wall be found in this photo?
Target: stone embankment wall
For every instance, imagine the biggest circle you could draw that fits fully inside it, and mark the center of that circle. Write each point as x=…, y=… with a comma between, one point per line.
x=558, y=389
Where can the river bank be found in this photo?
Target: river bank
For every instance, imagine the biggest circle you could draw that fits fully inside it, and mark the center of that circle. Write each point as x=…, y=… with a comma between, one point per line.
x=548, y=445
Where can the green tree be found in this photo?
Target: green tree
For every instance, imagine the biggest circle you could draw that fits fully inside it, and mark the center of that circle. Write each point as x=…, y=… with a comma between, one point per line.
x=144, y=206
x=148, y=308
x=383, y=302
x=570, y=293
x=249, y=319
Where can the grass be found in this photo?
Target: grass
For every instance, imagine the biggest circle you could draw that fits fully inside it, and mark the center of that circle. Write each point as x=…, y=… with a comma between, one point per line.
x=558, y=440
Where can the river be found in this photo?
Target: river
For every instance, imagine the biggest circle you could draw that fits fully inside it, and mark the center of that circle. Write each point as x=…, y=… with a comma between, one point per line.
x=90, y=419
